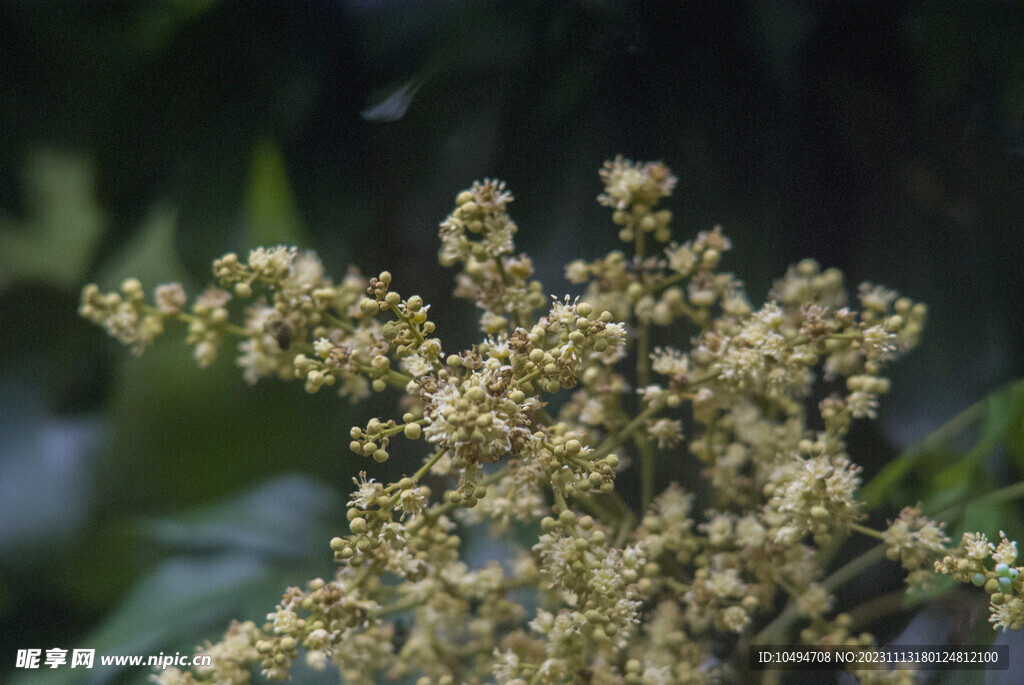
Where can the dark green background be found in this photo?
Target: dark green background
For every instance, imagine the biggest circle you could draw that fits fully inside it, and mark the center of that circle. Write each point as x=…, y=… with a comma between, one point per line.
x=147, y=138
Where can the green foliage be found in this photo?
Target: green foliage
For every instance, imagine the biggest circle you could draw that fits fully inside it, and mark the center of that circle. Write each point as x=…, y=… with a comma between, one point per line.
x=230, y=559
x=950, y=479
x=63, y=220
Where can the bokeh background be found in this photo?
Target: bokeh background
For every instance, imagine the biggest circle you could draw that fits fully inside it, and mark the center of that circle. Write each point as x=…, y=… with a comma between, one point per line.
x=145, y=502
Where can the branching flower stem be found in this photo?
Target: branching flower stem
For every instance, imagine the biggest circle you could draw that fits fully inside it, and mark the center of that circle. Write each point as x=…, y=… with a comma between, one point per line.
x=626, y=591
x=776, y=630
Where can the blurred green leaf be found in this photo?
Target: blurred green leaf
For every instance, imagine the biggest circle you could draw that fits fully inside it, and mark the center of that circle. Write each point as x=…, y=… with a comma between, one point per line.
x=938, y=587
x=1000, y=412
x=261, y=542
x=54, y=244
x=1013, y=439
x=181, y=599
x=990, y=517
x=274, y=520
x=183, y=435
x=149, y=255
x=938, y=500
x=270, y=205
x=45, y=481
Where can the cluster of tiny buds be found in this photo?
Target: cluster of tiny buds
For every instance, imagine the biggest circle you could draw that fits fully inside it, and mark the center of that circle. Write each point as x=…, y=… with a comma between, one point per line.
x=373, y=440
x=633, y=190
x=206, y=328
x=999, y=580
x=577, y=472
x=1004, y=581
x=640, y=219
x=408, y=332
x=583, y=526
x=479, y=212
x=369, y=520
x=230, y=271
x=576, y=554
x=122, y=314
x=474, y=215
x=464, y=499
x=478, y=234
x=551, y=351
x=267, y=265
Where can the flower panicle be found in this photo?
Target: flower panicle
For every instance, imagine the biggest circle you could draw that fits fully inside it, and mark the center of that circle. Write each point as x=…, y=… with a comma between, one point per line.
x=538, y=428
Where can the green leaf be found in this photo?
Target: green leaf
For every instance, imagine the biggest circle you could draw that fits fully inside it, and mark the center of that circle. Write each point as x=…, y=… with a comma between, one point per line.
x=938, y=587
x=150, y=254
x=988, y=517
x=45, y=480
x=261, y=542
x=275, y=520
x=270, y=205
x=55, y=243
x=183, y=436
x=1013, y=438
x=999, y=408
x=1001, y=413
x=180, y=600
x=938, y=500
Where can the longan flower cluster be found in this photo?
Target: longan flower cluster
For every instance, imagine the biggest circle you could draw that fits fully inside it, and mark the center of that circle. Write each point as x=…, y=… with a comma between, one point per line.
x=970, y=562
x=575, y=469
x=477, y=418
x=672, y=370
x=231, y=658
x=208, y=325
x=276, y=335
x=394, y=528
x=124, y=315
x=597, y=582
x=811, y=494
x=409, y=333
x=552, y=354
x=667, y=527
x=320, y=619
x=478, y=234
x=295, y=310
x=374, y=439
x=914, y=540
x=633, y=190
